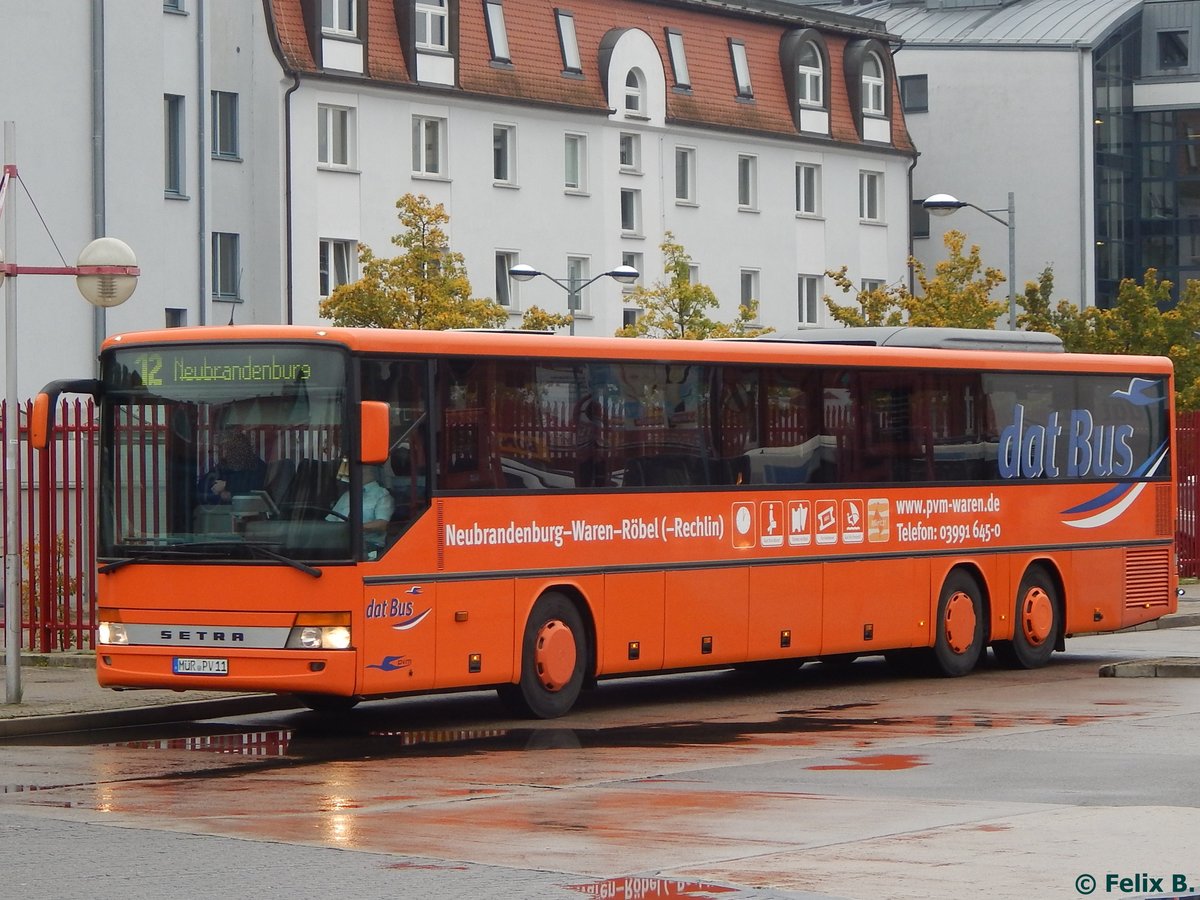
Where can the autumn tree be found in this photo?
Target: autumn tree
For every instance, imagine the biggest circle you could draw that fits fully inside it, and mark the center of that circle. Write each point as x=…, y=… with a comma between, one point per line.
x=425, y=287
x=537, y=319
x=1142, y=321
x=675, y=307
x=957, y=295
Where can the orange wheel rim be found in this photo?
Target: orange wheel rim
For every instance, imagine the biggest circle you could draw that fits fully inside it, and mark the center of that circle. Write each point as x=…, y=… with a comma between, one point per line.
x=959, y=623
x=1037, y=616
x=554, y=655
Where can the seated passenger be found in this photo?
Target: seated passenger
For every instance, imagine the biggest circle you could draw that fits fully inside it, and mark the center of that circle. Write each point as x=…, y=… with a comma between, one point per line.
x=239, y=470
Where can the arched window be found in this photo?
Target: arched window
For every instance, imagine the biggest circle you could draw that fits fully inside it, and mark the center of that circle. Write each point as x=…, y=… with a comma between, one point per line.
x=809, y=75
x=872, y=85
x=635, y=93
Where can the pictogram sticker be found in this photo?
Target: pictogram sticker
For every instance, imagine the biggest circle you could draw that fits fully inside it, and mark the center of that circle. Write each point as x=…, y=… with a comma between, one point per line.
x=853, y=523
x=826, y=512
x=771, y=522
x=799, y=523
x=745, y=531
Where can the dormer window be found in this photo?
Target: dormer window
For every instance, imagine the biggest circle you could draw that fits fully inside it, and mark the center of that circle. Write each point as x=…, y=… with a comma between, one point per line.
x=810, y=90
x=432, y=29
x=635, y=93
x=339, y=17
x=872, y=85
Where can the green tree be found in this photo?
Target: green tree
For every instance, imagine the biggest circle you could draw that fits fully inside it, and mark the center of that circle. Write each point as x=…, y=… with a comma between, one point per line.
x=957, y=295
x=426, y=287
x=538, y=319
x=1134, y=324
x=677, y=308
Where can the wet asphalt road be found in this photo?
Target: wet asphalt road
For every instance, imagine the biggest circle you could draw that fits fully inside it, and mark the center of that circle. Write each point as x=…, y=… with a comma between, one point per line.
x=847, y=782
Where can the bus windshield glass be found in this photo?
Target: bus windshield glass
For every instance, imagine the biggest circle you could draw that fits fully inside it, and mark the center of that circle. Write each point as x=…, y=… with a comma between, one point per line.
x=223, y=452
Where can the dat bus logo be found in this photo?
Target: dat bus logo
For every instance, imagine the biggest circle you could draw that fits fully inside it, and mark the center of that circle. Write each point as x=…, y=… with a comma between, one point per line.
x=1030, y=449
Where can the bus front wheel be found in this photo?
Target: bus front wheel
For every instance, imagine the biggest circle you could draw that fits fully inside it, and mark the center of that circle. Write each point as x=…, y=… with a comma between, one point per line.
x=553, y=660
x=960, y=626
x=1037, y=622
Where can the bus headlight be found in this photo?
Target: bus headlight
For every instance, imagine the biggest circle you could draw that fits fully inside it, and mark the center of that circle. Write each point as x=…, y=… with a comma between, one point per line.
x=112, y=633
x=320, y=631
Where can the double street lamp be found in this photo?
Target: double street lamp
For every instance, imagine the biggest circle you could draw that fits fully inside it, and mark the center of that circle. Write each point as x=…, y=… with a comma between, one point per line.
x=945, y=205
x=573, y=286
x=106, y=275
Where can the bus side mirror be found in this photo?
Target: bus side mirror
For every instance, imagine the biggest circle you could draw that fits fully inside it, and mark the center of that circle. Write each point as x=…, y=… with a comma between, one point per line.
x=41, y=417
x=373, y=437
x=41, y=421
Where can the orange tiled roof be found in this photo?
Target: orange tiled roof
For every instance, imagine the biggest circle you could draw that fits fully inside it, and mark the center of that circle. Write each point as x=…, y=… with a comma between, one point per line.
x=536, y=74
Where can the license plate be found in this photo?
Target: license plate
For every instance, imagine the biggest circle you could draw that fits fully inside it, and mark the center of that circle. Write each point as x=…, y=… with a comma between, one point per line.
x=199, y=665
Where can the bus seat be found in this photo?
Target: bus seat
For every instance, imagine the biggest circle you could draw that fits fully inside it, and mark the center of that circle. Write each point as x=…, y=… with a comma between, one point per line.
x=280, y=473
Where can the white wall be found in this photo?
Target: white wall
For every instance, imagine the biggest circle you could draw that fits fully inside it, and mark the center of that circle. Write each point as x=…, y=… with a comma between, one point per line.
x=1000, y=121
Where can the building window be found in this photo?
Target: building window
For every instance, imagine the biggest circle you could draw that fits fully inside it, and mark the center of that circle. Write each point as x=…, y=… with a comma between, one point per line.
x=685, y=174
x=339, y=17
x=919, y=219
x=808, y=189
x=870, y=196
x=577, y=276
x=635, y=93
x=504, y=154
x=429, y=146
x=432, y=31
x=810, y=90
x=575, y=151
x=1173, y=49
x=226, y=271
x=630, y=316
x=808, y=289
x=749, y=282
x=497, y=33
x=173, y=5
x=333, y=136
x=631, y=152
x=679, y=66
x=175, y=317
x=872, y=284
x=747, y=182
x=224, y=124
x=634, y=261
x=337, y=264
x=567, y=42
x=631, y=211
x=741, y=68
x=872, y=85
x=173, y=143
x=506, y=285
x=914, y=93
x=693, y=273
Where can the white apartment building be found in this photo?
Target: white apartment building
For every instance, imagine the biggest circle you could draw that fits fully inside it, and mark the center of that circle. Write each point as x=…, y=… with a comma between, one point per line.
x=245, y=150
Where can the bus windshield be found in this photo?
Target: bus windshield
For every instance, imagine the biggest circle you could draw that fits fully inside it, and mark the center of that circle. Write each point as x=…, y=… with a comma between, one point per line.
x=223, y=452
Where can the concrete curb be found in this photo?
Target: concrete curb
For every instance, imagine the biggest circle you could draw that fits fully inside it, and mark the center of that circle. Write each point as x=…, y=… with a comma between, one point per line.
x=1168, y=667
x=162, y=714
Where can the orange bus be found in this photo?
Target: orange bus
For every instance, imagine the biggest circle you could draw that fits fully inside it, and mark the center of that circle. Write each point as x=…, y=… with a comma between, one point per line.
x=533, y=513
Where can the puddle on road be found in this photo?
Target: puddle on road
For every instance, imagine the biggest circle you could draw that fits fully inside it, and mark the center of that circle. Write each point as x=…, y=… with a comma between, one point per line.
x=371, y=734
x=634, y=888
x=883, y=762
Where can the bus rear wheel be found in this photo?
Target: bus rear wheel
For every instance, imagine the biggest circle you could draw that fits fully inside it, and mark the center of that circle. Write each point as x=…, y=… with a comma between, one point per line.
x=1037, y=622
x=554, y=655
x=960, y=626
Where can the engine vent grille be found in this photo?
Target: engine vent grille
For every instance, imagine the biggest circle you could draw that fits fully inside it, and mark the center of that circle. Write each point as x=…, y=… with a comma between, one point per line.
x=1147, y=577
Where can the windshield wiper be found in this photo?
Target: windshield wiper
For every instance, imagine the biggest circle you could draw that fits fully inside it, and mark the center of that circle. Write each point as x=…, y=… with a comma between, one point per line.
x=192, y=549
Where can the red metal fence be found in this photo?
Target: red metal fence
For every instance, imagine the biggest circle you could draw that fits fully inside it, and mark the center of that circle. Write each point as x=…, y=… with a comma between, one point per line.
x=56, y=524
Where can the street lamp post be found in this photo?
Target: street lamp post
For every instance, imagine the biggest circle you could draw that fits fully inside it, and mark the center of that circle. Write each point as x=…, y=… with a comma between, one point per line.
x=945, y=205
x=106, y=275
x=623, y=274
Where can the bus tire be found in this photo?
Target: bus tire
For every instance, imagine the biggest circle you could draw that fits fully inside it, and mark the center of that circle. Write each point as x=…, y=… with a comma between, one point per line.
x=554, y=655
x=960, y=626
x=1037, y=623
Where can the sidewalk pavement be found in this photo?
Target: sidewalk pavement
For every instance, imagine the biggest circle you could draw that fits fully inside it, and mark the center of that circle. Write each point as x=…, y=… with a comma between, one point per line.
x=59, y=691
